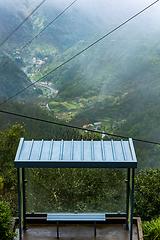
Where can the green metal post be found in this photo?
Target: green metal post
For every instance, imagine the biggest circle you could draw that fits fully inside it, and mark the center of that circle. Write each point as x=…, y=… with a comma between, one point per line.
x=19, y=204
x=95, y=229
x=126, y=227
x=131, y=201
x=24, y=199
x=57, y=229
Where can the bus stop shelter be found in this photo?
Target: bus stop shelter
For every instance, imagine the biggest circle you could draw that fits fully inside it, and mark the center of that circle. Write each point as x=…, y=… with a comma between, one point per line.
x=76, y=154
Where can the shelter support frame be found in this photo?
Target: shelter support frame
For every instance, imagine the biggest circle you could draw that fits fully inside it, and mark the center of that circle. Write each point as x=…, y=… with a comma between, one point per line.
x=76, y=154
x=21, y=200
x=129, y=201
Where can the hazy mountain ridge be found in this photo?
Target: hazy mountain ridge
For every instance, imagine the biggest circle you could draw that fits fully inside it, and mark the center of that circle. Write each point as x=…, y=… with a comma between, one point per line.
x=111, y=64
x=123, y=60
x=115, y=82
x=79, y=22
x=10, y=17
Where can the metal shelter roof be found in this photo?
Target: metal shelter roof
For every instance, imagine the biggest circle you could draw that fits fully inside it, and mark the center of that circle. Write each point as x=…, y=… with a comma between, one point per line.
x=75, y=154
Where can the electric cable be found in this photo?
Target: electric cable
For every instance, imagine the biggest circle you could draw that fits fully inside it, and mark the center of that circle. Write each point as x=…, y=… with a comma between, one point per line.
x=38, y=33
x=116, y=28
x=34, y=10
x=75, y=127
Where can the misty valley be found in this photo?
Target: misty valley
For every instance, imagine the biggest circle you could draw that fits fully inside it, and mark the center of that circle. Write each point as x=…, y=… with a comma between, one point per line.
x=112, y=87
x=115, y=83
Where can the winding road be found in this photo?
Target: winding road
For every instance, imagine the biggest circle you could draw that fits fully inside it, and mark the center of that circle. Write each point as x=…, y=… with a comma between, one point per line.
x=42, y=85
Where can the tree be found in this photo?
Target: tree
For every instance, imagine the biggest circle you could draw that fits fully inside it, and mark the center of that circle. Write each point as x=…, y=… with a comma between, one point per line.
x=147, y=194
x=8, y=174
x=6, y=231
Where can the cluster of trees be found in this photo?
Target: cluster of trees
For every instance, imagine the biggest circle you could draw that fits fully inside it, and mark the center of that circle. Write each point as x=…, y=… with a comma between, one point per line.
x=36, y=129
x=141, y=113
x=147, y=202
x=69, y=190
x=115, y=71
x=9, y=141
x=6, y=222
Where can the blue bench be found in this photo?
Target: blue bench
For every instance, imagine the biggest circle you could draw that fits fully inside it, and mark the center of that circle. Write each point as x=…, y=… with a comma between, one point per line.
x=68, y=217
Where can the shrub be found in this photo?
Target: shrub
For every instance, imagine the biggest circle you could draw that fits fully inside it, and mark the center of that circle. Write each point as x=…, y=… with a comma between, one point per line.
x=9, y=140
x=1, y=184
x=151, y=230
x=6, y=231
x=147, y=194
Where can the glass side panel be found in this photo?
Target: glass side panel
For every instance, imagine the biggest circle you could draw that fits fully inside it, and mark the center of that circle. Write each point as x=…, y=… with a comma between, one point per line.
x=70, y=190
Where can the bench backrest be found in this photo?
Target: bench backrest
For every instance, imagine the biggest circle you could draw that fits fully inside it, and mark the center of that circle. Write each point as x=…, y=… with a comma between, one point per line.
x=76, y=217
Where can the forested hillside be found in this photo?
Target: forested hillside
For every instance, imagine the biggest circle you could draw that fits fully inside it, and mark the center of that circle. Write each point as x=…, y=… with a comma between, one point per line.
x=122, y=86
x=84, y=72
x=35, y=129
x=12, y=79
x=115, y=82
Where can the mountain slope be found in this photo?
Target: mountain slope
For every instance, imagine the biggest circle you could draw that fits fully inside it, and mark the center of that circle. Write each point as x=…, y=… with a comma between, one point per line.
x=115, y=82
x=12, y=80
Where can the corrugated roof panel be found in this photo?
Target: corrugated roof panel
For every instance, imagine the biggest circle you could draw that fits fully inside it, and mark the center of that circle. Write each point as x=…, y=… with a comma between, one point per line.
x=87, y=150
x=132, y=151
x=35, y=154
x=77, y=151
x=67, y=149
x=44, y=150
x=76, y=154
x=108, y=154
x=98, y=154
x=25, y=150
x=118, y=151
x=56, y=150
x=127, y=151
x=50, y=150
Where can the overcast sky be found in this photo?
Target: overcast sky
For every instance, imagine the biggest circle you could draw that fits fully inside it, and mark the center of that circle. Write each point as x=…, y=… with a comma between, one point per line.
x=96, y=7
x=103, y=9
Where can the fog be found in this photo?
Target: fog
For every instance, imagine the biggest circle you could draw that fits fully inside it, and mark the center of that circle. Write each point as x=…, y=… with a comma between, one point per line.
x=106, y=10
x=127, y=52
x=103, y=12
x=100, y=9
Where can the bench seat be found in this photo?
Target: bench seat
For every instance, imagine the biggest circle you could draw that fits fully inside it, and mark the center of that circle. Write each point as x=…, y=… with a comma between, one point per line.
x=93, y=217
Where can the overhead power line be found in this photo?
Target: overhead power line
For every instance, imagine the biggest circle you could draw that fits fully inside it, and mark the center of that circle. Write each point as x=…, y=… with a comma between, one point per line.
x=77, y=128
x=22, y=23
x=91, y=45
x=38, y=33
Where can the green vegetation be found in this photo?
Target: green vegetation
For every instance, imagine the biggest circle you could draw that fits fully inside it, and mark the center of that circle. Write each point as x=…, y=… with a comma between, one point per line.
x=73, y=189
x=147, y=194
x=70, y=190
x=36, y=129
x=151, y=230
x=115, y=82
x=12, y=80
x=147, y=202
x=6, y=219
x=118, y=87
x=9, y=141
x=11, y=15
